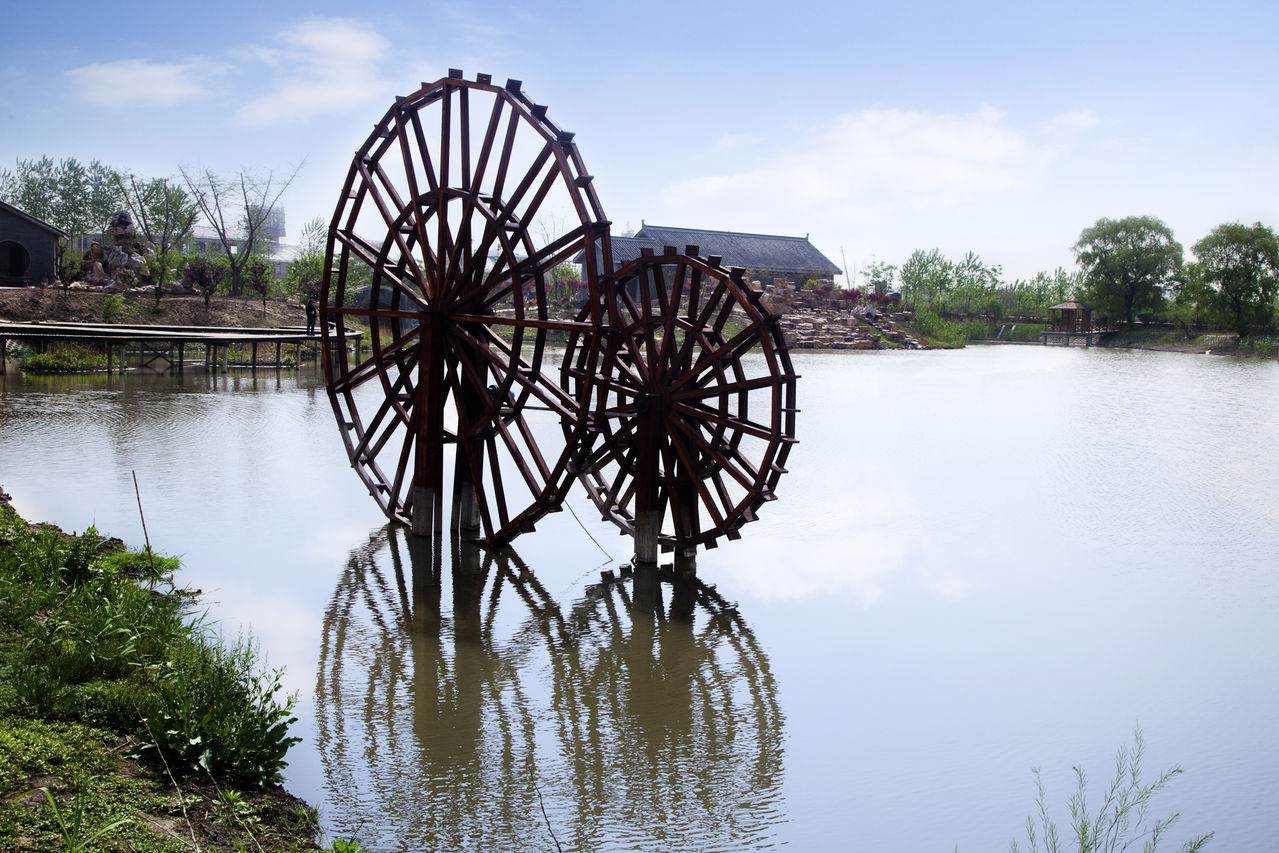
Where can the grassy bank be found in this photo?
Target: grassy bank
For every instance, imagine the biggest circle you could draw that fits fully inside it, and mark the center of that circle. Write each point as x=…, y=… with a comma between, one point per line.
x=937, y=332
x=125, y=724
x=1264, y=345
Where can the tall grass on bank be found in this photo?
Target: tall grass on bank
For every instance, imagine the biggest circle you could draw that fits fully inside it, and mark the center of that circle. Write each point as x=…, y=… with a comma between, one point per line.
x=1122, y=820
x=94, y=634
x=67, y=358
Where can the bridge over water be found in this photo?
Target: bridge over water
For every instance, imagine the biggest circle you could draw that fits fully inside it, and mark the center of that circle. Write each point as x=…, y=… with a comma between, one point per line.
x=161, y=347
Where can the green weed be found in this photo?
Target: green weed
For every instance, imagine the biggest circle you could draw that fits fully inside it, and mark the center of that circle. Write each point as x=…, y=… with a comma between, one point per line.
x=76, y=836
x=68, y=358
x=113, y=308
x=1121, y=821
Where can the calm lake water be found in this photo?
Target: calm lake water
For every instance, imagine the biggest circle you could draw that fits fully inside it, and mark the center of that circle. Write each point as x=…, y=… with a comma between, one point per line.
x=980, y=562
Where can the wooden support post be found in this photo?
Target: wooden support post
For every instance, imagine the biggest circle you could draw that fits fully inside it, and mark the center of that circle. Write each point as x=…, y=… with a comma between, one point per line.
x=278, y=362
x=468, y=460
x=297, y=355
x=427, y=491
x=648, y=508
x=425, y=564
x=4, y=354
x=686, y=561
x=253, y=356
x=647, y=590
x=110, y=359
x=181, y=354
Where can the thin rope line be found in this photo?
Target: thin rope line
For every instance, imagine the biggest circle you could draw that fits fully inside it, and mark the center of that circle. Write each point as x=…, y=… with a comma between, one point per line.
x=588, y=533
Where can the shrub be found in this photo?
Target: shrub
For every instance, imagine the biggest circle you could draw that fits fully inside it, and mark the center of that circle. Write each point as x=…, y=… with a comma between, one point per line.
x=70, y=358
x=219, y=714
x=937, y=331
x=82, y=639
x=113, y=308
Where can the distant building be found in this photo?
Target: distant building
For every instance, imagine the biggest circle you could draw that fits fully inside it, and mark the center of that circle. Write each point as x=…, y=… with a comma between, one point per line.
x=764, y=256
x=28, y=248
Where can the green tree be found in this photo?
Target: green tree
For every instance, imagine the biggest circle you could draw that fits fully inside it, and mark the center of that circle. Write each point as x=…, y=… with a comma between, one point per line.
x=204, y=273
x=1240, y=268
x=304, y=276
x=926, y=276
x=69, y=195
x=258, y=275
x=165, y=216
x=880, y=277
x=32, y=188
x=238, y=210
x=1127, y=265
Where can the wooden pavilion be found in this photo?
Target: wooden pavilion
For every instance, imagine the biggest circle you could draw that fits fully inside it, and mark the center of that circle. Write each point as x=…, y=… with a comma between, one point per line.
x=1071, y=322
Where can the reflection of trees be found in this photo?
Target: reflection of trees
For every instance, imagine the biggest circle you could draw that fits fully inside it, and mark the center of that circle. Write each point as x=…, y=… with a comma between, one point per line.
x=638, y=727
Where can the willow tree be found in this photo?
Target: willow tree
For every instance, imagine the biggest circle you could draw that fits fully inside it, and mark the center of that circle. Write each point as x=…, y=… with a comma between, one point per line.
x=1240, y=267
x=1128, y=265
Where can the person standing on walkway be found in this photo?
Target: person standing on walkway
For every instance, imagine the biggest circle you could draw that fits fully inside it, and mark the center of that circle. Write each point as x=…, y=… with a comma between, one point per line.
x=311, y=314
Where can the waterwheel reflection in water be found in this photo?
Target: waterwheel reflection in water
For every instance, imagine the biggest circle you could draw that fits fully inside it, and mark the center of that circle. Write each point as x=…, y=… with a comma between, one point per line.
x=449, y=718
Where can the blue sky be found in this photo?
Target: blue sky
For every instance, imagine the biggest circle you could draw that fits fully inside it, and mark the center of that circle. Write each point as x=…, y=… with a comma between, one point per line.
x=1001, y=128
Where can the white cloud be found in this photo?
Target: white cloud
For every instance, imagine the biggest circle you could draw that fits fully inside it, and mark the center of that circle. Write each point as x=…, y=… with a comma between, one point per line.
x=324, y=66
x=877, y=158
x=735, y=140
x=136, y=81
x=1071, y=122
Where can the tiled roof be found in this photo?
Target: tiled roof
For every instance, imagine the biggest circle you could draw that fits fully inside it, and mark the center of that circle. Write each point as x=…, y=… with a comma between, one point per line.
x=752, y=251
x=787, y=255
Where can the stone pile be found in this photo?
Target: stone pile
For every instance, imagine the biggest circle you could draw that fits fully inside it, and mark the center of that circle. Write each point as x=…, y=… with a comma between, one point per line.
x=811, y=320
x=121, y=265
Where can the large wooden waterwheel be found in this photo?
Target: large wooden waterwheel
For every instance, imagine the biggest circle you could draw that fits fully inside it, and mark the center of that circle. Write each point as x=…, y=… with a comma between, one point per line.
x=691, y=410
x=455, y=209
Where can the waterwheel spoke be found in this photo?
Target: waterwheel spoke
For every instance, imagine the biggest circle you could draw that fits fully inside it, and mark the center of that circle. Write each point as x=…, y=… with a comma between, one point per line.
x=701, y=391
x=371, y=257
x=729, y=422
x=415, y=193
x=387, y=207
x=515, y=370
x=728, y=353
x=715, y=456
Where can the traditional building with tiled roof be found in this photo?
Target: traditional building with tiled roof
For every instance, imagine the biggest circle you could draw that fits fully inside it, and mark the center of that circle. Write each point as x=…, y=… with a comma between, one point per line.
x=764, y=256
x=28, y=248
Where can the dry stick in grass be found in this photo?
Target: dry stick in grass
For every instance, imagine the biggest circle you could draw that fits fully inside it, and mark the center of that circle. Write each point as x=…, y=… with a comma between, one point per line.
x=181, y=799
x=145, y=536
x=223, y=799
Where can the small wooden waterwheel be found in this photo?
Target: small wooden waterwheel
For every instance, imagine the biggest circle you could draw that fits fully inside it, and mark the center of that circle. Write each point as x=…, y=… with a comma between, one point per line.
x=461, y=200
x=691, y=410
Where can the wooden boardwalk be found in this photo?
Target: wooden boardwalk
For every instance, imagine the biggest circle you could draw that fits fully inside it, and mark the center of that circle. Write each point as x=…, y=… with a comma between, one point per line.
x=162, y=345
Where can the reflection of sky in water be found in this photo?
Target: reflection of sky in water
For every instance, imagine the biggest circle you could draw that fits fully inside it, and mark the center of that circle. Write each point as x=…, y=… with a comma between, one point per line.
x=980, y=561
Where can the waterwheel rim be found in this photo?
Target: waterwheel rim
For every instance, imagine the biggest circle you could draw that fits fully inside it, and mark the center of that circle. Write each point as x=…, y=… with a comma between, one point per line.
x=458, y=205
x=692, y=399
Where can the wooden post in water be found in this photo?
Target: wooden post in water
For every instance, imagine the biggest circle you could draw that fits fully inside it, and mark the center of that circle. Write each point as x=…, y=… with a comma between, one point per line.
x=253, y=356
x=646, y=589
x=648, y=508
x=427, y=487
